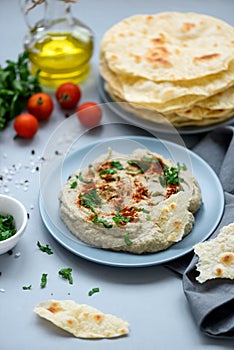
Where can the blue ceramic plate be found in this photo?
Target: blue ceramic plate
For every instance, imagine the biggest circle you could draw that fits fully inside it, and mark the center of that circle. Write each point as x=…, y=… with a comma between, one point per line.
x=207, y=218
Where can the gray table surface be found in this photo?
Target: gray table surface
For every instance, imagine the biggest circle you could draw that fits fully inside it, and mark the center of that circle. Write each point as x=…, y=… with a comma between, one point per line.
x=151, y=299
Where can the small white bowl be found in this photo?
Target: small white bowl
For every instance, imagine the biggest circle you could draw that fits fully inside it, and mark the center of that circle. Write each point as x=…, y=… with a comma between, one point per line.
x=11, y=206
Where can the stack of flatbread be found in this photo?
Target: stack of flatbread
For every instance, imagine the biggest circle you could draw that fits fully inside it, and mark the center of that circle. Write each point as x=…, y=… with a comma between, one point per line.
x=173, y=67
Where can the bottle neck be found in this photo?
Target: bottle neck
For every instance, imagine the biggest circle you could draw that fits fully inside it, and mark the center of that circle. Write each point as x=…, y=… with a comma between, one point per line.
x=57, y=14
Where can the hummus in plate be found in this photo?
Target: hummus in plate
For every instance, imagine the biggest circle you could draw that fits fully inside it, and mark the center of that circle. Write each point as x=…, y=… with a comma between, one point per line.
x=137, y=203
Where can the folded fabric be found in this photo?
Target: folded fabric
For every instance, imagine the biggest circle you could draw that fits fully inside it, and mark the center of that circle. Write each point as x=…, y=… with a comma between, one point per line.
x=212, y=302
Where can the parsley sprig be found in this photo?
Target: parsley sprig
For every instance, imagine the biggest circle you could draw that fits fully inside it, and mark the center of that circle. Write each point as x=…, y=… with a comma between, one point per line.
x=16, y=86
x=66, y=273
x=171, y=175
x=45, y=249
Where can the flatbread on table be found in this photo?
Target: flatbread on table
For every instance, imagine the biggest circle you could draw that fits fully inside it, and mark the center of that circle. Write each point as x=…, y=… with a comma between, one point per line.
x=81, y=320
x=216, y=257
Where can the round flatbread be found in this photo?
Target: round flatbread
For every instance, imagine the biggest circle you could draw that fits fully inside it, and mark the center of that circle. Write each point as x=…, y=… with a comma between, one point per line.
x=169, y=46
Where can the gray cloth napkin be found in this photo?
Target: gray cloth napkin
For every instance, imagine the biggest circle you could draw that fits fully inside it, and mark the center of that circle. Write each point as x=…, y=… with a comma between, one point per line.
x=212, y=303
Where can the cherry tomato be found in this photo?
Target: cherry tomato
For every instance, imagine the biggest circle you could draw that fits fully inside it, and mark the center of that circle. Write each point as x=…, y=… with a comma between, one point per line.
x=40, y=105
x=89, y=114
x=68, y=95
x=26, y=125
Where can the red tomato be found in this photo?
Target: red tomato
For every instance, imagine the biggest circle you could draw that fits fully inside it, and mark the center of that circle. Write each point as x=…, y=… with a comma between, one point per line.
x=40, y=105
x=89, y=114
x=26, y=125
x=68, y=95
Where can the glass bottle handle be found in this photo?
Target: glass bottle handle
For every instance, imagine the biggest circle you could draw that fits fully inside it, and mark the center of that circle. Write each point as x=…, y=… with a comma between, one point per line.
x=32, y=17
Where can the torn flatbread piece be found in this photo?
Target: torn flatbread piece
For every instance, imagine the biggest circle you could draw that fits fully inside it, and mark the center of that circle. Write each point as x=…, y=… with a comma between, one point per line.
x=81, y=320
x=216, y=257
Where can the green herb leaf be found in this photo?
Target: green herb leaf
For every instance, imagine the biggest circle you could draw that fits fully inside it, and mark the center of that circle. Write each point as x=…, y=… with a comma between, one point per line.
x=44, y=249
x=118, y=219
x=127, y=240
x=145, y=211
x=66, y=273
x=140, y=164
x=150, y=160
x=108, y=171
x=74, y=184
x=101, y=221
x=116, y=164
x=43, y=280
x=171, y=175
x=27, y=287
x=93, y=291
x=91, y=199
x=86, y=181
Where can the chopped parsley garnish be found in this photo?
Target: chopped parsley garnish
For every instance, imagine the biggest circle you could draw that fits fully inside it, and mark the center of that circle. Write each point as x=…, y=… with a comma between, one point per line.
x=7, y=227
x=43, y=280
x=74, y=184
x=93, y=291
x=116, y=164
x=145, y=211
x=144, y=163
x=108, y=171
x=150, y=160
x=127, y=240
x=45, y=249
x=140, y=164
x=66, y=273
x=91, y=199
x=113, y=169
x=27, y=287
x=120, y=219
x=86, y=181
x=101, y=221
x=171, y=175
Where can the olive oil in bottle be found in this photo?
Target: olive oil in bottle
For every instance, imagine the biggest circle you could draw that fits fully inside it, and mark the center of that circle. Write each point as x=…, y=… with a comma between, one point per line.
x=60, y=46
x=61, y=57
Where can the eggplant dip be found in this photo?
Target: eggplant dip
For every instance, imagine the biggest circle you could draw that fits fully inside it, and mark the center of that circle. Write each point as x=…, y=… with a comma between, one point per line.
x=137, y=203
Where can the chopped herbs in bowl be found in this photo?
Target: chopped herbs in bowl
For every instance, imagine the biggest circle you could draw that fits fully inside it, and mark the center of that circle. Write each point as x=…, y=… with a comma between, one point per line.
x=13, y=221
x=7, y=227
